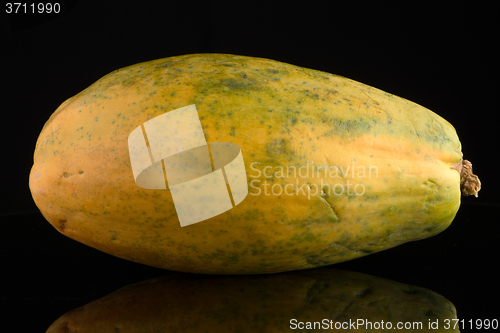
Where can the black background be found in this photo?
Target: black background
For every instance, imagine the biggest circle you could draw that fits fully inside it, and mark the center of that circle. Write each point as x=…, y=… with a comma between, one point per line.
x=443, y=56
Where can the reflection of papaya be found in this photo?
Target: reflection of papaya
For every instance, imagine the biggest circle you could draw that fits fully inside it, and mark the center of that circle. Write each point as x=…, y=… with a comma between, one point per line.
x=335, y=300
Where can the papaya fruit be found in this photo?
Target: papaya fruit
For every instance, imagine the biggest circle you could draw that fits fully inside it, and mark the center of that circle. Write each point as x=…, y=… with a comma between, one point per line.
x=318, y=300
x=335, y=169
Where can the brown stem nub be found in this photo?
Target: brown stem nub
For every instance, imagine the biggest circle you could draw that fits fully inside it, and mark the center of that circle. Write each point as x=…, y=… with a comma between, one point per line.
x=469, y=182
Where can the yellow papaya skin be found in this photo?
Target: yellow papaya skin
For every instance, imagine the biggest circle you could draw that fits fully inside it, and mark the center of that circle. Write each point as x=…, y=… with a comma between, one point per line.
x=389, y=169
x=333, y=300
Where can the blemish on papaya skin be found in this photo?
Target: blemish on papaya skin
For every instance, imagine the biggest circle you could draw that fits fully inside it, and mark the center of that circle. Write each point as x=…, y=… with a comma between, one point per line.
x=234, y=84
x=279, y=147
x=63, y=224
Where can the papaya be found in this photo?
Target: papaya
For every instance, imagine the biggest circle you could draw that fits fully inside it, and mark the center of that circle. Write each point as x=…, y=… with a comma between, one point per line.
x=318, y=300
x=227, y=164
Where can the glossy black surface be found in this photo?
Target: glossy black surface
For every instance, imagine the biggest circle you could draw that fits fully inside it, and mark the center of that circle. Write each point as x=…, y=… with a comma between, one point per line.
x=444, y=58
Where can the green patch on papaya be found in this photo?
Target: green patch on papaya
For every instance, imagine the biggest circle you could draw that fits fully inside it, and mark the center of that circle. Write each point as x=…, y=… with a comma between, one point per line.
x=346, y=127
x=304, y=237
x=279, y=148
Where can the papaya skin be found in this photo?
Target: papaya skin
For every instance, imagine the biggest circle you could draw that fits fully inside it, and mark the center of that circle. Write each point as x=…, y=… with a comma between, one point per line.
x=401, y=156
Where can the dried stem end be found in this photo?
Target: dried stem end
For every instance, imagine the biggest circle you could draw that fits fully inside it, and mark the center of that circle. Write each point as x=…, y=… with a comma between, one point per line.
x=469, y=182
